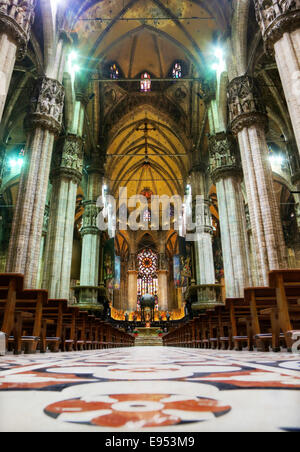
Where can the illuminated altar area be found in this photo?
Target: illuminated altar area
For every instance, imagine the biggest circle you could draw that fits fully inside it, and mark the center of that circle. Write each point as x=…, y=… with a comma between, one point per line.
x=175, y=314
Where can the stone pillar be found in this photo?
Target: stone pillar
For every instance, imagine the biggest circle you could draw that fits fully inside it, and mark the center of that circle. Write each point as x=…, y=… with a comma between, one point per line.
x=294, y=159
x=132, y=283
x=66, y=176
x=42, y=125
x=205, y=269
x=16, y=19
x=91, y=239
x=295, y=171
x=248, y=121
x=162, y=275
x=279, y=21
x=43, y=246
x=227, y=174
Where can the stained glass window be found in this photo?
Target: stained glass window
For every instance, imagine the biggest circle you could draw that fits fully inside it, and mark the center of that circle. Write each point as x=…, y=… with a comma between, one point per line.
x=147, y=216
x=177, y=71
x=147, y=276
x=145, y=83
x=114, y=72
x=147, y=262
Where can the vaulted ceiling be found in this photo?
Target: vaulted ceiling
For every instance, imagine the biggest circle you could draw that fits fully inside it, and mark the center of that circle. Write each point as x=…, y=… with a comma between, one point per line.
x=144, y=35
x=147, y=35
x=150, y=34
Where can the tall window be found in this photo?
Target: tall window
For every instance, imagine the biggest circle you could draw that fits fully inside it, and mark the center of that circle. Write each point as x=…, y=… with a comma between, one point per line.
x=114, y=72
x=145, y=83
x=147, y=276
x=177, y=71
x=147, y=216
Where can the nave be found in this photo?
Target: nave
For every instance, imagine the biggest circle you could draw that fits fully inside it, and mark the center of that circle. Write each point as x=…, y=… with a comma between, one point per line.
x=152, y=389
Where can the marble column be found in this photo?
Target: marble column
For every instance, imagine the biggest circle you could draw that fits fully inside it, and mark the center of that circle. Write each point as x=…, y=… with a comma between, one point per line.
x=205, y=269
x=42, y=125
x=294, y=160
x=227, y=175
x=43, y=246
x=295, y=172
x=66, y=176
x=162, y=274
x=132, y=283
x=16, y=19
x=279, y=21
x=91, y=238
x=249, y=122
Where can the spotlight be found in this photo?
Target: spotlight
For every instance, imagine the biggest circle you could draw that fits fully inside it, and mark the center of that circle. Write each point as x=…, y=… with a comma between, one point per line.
x=16, y=164
x=72, y=63
x=220, y=66
x=219, y=53
x=276, y=160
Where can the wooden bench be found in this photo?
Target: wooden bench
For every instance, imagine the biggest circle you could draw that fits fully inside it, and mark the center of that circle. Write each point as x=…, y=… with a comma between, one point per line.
x=10, y=284
x=282, y=281
x=27, y=319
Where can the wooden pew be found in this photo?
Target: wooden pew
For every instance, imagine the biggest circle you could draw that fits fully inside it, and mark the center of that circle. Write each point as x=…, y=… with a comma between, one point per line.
x=265, y=322
x=10, y=284
x=27, y=319
x=54, y=315
x=241, y=330
x=282, y=280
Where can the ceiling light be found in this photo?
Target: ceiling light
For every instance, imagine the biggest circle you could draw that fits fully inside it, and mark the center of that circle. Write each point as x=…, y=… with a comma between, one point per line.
x=16, y=163
x=220, y=65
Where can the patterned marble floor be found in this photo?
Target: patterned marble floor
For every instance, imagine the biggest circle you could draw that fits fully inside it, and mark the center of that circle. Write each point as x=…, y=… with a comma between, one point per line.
x=150, y=389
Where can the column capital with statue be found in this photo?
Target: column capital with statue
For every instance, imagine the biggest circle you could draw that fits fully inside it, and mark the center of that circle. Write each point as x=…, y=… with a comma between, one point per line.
x=224, y=157
x=68, y=158
x=16, y=18
x=46, y=106
x=89, y=221
x=246, y=107
x=275, y=18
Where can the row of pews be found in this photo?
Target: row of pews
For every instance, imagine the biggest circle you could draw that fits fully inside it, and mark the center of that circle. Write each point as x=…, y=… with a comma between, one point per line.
x=267, y=317
x=31, y=322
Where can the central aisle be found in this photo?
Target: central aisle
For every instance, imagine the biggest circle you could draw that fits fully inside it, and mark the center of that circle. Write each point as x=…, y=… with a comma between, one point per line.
x=150, y=389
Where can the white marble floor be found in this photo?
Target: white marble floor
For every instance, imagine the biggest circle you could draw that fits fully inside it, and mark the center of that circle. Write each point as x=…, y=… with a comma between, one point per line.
x=150, y=389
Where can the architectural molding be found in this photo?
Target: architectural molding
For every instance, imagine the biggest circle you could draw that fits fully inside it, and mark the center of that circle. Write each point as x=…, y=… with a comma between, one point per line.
x=16, y=20
x=47, y=106
x=224, y=157
x=204, y=219
x=89, y=220
x=68, y=158
x=245, y=104
x=275, y=18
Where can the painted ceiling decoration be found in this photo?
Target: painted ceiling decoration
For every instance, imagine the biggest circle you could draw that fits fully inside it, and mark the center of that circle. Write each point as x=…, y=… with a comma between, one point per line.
x=118, y=42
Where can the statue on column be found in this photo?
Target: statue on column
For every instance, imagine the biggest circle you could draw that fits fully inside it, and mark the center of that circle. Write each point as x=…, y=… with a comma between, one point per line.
x=4, y=4
x=245, y=104
x=224, y=156
x=47, y=106
x=16, y=19
x=275, y=18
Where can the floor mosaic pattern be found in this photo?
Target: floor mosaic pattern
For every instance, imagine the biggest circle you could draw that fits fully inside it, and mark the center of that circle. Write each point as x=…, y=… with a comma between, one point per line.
x=150, y=389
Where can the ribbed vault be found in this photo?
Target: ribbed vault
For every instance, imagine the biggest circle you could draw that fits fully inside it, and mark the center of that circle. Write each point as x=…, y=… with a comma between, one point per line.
x=168, y=157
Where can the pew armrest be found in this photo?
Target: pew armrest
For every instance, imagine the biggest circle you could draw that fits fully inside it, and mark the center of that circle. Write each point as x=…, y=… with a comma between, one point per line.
x=295, y=334
x=2, y=343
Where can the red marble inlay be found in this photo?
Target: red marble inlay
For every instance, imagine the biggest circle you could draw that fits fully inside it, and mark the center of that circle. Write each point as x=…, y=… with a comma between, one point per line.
x=140, y=410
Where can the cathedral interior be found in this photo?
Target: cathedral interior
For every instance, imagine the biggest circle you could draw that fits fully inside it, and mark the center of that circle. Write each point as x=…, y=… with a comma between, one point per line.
x=105, y=107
